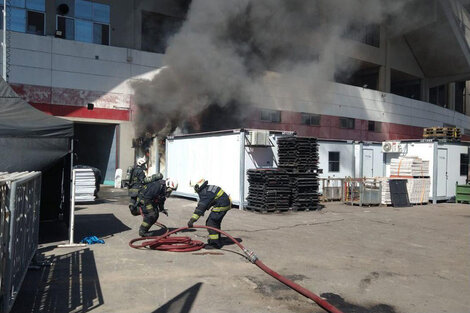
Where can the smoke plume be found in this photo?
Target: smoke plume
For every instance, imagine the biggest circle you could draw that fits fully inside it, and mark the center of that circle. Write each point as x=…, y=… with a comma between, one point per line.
x=220, y=60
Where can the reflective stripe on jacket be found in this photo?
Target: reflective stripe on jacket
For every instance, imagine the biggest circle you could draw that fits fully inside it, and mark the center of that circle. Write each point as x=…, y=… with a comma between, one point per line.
x=212, y=196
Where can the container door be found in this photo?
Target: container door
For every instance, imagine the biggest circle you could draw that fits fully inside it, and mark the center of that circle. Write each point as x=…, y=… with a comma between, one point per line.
x=442, y=172
x=368, y=163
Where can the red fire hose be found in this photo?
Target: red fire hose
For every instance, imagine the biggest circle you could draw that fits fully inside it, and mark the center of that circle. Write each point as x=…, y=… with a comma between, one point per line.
x=186, y=244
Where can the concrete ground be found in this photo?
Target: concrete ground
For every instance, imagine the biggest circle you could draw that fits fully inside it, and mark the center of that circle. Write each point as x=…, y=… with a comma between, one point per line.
x=377, y=259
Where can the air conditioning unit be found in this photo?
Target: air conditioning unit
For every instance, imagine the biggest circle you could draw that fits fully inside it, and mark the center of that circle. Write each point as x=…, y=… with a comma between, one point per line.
x=259, y=138
x=391, y=147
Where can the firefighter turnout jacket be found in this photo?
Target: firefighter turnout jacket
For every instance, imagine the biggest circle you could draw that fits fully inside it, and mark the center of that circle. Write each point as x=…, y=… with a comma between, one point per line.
x=152, y=195
x=211, y=196
x=136, y=180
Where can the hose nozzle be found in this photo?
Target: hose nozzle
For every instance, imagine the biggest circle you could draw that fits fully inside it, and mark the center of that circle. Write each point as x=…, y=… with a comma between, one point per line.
x=250, y=255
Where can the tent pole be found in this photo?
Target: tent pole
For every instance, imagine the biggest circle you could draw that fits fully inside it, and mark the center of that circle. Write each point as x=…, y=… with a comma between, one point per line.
x=71, y=244
x=4, y=43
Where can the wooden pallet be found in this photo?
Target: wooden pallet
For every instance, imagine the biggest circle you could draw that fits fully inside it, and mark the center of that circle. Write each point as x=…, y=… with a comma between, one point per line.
x=442, y=133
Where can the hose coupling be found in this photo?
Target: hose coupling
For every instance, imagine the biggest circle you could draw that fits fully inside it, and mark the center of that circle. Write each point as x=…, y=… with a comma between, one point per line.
x=250, y=255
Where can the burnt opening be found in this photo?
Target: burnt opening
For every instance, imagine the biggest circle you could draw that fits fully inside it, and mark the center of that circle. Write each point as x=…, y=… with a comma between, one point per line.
x=405, y=85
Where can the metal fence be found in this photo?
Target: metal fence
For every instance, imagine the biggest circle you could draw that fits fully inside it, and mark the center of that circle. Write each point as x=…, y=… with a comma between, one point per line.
x=20, y=203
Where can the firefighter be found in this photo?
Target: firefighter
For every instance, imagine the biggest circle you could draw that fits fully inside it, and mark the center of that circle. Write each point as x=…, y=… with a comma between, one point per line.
x=136, y=178
x=151, y=201
x=215, y=197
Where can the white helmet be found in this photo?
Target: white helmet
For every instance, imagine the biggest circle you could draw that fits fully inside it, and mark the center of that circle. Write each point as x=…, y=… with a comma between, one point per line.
x=201, y=183
x=141, y=161
x=171, y=184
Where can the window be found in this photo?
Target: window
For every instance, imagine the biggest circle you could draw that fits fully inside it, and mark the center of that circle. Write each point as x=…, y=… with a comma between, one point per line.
x=374, y=126
x=464, y=160
x=26, y=16
x=101, y=13
x=368, y=34
x=271, y=116
x=66, y=26
x=37, y=5
x=311, y=119
x=35, y=23
x=157, y=29
x=100, y=34
x=17, y=21
x=84, y=9
x=89, y=24
x=348, y=123
x=83, y=31
x=460, y=96
x=438, y=95
x=333, y=161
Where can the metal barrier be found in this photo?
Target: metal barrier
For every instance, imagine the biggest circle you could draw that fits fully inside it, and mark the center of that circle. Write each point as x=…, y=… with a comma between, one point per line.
x=362, y=191
x=20, y=227
x=3, y=233
x=332, y=189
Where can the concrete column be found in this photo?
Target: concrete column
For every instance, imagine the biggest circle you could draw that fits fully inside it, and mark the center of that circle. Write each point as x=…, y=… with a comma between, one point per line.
x=126, y=152
x=385, y=78
x=451, y=96
x=467, y=98
x=424, y=90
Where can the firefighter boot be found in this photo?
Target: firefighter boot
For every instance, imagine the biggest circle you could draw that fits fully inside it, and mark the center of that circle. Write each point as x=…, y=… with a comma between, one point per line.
x=143, y=232
x=213, y=244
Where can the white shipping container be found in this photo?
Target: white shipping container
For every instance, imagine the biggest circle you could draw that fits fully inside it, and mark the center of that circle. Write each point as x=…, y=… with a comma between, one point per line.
x=444, y=164
x=222, y=158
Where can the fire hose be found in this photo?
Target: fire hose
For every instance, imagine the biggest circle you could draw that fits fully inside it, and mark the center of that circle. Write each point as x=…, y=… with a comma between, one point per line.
x=186, y=244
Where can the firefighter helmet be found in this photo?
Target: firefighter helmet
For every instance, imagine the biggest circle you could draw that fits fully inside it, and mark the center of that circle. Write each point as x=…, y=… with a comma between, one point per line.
x=198, y=185
x=141, y=161
x=171, y=185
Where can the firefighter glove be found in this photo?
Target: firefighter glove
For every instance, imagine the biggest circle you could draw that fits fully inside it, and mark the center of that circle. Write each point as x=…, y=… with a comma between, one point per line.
x=191, y=222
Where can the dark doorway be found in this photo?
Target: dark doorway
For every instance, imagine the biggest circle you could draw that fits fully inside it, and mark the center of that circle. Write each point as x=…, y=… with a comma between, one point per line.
x=405, y=85
x=358, y=73
x=96, y=145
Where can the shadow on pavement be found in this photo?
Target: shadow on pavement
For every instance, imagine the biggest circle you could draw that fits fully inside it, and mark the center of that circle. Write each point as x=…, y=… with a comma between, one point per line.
x=69, y=284
x=344, y=306
x=228, y=242
x=100, y=225
x=52, y=231
x=182, y=303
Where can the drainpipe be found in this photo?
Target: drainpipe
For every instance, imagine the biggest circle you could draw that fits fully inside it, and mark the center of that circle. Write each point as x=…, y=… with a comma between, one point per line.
x=434, y=172
x=361, y=160
x=354, y=160
x=157, y=155
x=242, y=170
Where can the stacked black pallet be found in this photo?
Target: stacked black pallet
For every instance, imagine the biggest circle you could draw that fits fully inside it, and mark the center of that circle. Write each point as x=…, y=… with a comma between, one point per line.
x=269, y=190
x=304, y=191
x=299, y=156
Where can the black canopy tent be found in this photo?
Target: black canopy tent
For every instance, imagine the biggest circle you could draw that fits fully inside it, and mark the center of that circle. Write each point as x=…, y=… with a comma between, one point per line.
x=31, y=140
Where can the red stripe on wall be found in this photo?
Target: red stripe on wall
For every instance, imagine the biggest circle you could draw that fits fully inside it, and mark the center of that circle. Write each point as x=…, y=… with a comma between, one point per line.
x=83, y=112
x=330, y=128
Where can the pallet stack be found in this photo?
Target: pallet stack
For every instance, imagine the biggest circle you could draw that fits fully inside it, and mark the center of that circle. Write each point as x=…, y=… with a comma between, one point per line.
x=447, y=133
x=298, y=154
x=304, y=191
x=269, y=190
x=299, y=157
x=409, y=167
x=84, y=185
x=416, y=172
